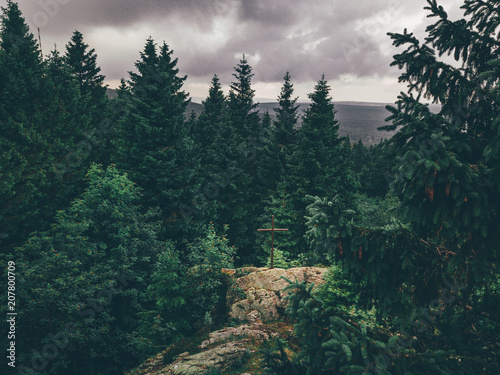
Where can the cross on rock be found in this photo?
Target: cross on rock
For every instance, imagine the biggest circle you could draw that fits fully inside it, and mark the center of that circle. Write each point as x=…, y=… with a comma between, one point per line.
x=272, y=230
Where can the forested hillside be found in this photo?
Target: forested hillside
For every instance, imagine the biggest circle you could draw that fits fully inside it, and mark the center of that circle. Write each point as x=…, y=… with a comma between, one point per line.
x=119, y=218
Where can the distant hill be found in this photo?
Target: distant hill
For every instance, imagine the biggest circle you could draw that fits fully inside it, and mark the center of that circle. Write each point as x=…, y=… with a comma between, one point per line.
x=358, y=120
x=112, y=94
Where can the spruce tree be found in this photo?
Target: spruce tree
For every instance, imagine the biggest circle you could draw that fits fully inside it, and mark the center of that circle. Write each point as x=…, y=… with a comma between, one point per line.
x=241, y=102
x=40, y=121
x=431, y=270
x=153, y=145
x=287, y=116
x=320, y=164
x=68, y=123
x=284, y=137
x=206, y=126
x=268, y=164
x=442, y=174
x=319, y=160
x=245, y=191
x=278, y=154
x=82, y=62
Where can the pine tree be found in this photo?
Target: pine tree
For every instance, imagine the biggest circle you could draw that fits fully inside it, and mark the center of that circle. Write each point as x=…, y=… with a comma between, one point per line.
x=268, y=164
x=82, y=62
x=154, y=147
x=247, y=194
x=31, y=118
x=68, y=124
x=320, y=163
x=287, y=116
x=284, y=137
x=20, y=75
x=431, y=269
x=277, y=155
x=242, y=107
x=205, y=128
x=318, y=158
x=441, y=174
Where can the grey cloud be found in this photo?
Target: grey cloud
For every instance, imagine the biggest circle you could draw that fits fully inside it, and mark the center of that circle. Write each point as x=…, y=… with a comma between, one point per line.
x=307, y=38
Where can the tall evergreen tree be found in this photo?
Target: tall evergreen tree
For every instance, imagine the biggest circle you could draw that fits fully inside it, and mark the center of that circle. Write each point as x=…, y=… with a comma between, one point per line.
x=82, y=62
x=441, y=171
x=287, y=116
x=436, y=277
x=20, y=80
x=248, y=193
x=153, y=145
x=42, y=120
x=278, y=153
x=68, y=123
x=209, y=122
x=320, y=163
x=241, y=102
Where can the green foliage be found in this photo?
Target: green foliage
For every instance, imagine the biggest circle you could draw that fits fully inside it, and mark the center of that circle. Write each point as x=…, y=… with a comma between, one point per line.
x=85, y=279
x=318, y=158
x=277, y=361
x=44, y=123
x=153, y=144
x=443, y=175
x=169, y=290
x=337, y=290
x=425, y=277
x=212, y=252
x=333, y=339
x=410, y=226
x=189, y=293
x=320, y=162
x=287, y=117
x=208, y=256
x=279, y=260
x=82, y=63
x=241, y=202
x=372, y=166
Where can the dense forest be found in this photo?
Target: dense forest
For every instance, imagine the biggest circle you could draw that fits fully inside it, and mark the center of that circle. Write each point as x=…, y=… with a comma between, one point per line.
x=117, y=215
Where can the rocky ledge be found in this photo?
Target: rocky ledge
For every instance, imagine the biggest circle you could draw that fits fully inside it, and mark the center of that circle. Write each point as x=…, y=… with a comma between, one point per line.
x=252, y=315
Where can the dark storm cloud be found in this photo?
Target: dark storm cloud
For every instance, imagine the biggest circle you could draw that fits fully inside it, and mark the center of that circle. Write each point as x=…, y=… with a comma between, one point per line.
x=308, y=38
x=63, y=14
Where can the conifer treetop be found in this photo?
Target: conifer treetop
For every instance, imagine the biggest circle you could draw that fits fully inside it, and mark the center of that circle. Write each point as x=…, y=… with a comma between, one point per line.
x=241, y=90
x=15, y=37
x=83, y=61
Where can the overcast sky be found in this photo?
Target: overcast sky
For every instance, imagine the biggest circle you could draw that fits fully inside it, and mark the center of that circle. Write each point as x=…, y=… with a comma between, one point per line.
x=344, y=39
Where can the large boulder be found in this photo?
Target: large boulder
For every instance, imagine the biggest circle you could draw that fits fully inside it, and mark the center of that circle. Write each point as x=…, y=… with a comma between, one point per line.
x=255, y=299
x=263, y=292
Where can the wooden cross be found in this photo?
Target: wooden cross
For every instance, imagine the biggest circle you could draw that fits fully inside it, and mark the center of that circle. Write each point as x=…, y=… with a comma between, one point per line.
x=272, y=230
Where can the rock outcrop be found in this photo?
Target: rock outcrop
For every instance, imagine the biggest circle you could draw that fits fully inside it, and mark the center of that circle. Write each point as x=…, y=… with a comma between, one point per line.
x=257, y=302
x=264, y=292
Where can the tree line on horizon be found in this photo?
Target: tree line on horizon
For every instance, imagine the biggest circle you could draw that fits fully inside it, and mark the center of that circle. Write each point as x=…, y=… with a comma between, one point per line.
x=119, y=213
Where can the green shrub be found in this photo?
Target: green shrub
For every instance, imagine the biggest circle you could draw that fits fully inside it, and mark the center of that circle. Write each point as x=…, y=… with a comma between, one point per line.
x=337, y=290
x=84, y=281
x=279, y=261
x=189, y=293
